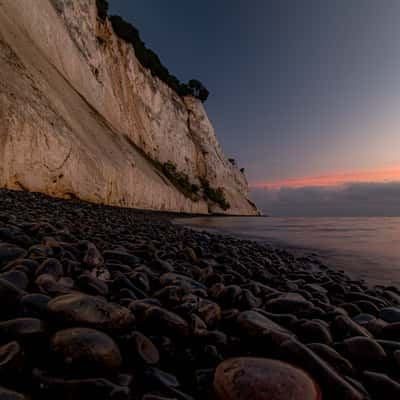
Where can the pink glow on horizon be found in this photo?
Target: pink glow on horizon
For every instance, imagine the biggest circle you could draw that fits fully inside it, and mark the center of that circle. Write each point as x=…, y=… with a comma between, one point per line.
x=391, y=174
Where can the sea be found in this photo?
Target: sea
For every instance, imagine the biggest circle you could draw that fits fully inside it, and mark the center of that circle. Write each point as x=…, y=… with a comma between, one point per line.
x=365, y=248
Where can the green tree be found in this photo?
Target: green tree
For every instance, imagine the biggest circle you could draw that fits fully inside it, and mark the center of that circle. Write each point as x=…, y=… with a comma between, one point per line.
x=102, y=8
x=149, y=59
x=198, y=90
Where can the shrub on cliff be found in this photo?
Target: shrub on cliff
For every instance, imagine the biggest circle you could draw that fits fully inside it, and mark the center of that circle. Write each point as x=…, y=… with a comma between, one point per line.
x=149, y=59
x=198, y=90
x=102, y=8
x=215, y=195
x=180, y=180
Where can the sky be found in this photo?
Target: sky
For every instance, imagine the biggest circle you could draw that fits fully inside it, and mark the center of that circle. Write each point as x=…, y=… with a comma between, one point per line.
x=305, y=95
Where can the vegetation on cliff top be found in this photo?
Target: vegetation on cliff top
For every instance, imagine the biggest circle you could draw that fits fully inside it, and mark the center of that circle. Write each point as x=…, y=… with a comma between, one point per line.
x=102, y=8
x=148, y=58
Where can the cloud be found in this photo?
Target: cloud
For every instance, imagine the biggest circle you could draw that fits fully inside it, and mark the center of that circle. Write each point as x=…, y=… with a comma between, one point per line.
x=350, y=199
x=388, y=174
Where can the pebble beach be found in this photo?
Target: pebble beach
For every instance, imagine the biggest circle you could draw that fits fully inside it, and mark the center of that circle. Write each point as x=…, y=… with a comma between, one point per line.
x=113, y=303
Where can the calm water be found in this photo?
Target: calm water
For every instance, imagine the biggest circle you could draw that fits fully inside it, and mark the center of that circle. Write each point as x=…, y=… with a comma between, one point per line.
x=366, y=248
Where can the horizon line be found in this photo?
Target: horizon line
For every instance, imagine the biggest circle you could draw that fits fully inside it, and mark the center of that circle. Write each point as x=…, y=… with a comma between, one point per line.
x=384, y=175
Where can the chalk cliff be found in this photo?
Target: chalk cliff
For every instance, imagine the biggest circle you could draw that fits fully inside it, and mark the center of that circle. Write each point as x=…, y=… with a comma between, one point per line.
x=80, y=117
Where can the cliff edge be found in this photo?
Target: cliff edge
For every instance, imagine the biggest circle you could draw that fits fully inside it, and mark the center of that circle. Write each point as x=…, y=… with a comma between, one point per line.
x=80, y=117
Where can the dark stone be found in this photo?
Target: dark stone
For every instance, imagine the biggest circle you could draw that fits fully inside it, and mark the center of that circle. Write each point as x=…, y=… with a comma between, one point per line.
x=390, y=314
x=253, y=324
x=363, y=352
x=333, y=358
x=10, y=252
x=290, y=303
x=89, y=311
x=166, y=321
x=51, y=285
x=6, y=394
x=381, y=386
x=9, y=298
x=332, y=384
x=375, y=327
x=263, y=379
x=85, y=351
x=190, y=254
x=92, y=285
x=392, y=331
x=16, y=277
x=121, y=256
x=172, y=279
x=314, y=331
x=368, y=307
x=48, y=387
x=93, y=257
x=209, y=312
x=363, y=319
x=21, y=329
x=51, y=266
x=138, y=347
x=156, y=379
x=352, y=309
x=343, y=327
x=34, y=305
x=11, y=359
x=286, y=320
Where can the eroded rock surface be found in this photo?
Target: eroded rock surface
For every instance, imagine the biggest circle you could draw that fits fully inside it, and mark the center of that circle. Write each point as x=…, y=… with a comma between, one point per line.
x=80, y=117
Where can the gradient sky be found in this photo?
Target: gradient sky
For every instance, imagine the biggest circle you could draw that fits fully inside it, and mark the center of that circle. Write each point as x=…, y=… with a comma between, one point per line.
x=303, y=93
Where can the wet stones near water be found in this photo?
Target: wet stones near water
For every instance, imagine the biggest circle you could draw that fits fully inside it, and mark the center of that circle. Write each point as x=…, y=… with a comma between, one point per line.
x=85, y=351
x=263, y=379
x=80, y=309
x=109, y=303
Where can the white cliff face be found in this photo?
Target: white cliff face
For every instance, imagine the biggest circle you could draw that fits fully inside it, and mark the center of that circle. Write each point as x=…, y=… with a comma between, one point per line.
x=80, y=117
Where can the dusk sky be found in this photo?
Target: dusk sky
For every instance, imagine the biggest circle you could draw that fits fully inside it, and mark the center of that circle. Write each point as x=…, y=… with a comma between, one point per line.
x=304, y=94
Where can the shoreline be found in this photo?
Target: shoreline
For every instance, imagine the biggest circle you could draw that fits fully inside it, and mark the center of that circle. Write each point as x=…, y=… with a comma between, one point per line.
x=128, y=304
x=373, y=267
